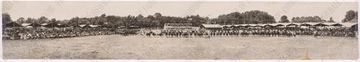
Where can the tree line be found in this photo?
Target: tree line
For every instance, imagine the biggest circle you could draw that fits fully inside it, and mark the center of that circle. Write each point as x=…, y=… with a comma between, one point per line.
x=158, y=20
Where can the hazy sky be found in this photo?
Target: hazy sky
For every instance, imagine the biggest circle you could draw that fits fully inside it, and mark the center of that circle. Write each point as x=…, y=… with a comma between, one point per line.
x=68, y=9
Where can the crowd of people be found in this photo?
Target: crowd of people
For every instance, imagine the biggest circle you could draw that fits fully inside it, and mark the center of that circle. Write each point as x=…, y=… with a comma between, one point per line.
x=21, y=33
x=268, y=32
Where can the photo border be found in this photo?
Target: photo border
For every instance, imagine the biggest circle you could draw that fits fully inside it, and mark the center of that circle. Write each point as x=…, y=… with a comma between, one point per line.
x=166, y=60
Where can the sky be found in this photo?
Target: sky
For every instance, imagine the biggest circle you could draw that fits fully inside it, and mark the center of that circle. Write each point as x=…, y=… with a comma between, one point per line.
x=68, y=9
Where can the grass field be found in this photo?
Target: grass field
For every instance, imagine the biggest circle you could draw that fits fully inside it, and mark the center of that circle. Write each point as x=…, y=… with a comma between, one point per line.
x=139, y=47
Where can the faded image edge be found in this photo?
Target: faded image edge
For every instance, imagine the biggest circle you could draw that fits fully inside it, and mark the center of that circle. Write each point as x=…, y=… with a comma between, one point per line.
x=180, y=30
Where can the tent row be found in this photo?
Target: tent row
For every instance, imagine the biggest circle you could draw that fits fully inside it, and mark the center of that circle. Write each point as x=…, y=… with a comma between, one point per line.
x=14, y=24
x=50, y=25
x=296, y=24
x=281, y=25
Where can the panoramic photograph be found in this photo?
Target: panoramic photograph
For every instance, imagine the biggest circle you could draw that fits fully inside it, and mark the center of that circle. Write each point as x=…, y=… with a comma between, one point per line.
x=185, y=30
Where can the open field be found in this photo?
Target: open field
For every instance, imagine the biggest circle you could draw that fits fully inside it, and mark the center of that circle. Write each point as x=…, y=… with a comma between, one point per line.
x=139, y=47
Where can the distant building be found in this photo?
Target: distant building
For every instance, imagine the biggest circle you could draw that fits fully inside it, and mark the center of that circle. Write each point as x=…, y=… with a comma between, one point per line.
x=179, y=26
x=211, y=26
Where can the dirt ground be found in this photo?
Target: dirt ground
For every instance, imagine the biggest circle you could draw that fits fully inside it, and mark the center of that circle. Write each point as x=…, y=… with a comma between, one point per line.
x=140, y=47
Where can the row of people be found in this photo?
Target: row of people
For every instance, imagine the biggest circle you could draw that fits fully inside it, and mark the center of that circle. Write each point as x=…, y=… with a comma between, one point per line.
x=38, y=33
x=339, y=32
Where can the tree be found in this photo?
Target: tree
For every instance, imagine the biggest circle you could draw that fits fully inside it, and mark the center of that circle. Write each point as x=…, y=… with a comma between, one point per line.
x=305, y=19
x=6, y=18
x=151, y=17
x=256, y=16
x=351, y=14
x=157, y=15
x=140, y=16
x=196, y=20
x=74, y=21
x=53, y=20
x=103, y=15
x=331, y=20
x=42, y=20
x=21, y=20
x=248, y=17
x=284, y=19
x=30, y=20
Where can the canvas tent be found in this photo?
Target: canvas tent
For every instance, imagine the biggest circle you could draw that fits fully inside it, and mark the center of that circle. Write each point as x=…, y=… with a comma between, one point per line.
x=35, y=25
x=51, y=25
x=321, y=24
x=337, y=24
x=12, y=24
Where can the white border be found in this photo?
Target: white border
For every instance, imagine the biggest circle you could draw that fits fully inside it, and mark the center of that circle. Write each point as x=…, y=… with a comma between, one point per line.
x=169, y=60
x=47, y=60
x=206, y=0
x=1, y=47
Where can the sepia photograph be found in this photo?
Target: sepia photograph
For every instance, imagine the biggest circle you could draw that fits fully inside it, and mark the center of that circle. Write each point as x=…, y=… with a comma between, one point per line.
x=183, y=30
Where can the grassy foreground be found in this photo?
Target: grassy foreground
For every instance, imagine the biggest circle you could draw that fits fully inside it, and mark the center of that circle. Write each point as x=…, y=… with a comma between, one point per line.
x=139, y=47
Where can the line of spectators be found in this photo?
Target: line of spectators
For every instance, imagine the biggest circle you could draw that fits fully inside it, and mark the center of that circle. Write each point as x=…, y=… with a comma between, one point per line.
x=44, y=33
x=290, y=32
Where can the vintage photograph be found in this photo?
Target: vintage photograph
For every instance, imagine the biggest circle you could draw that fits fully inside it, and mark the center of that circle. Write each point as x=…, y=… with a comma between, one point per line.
x=185, y=30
